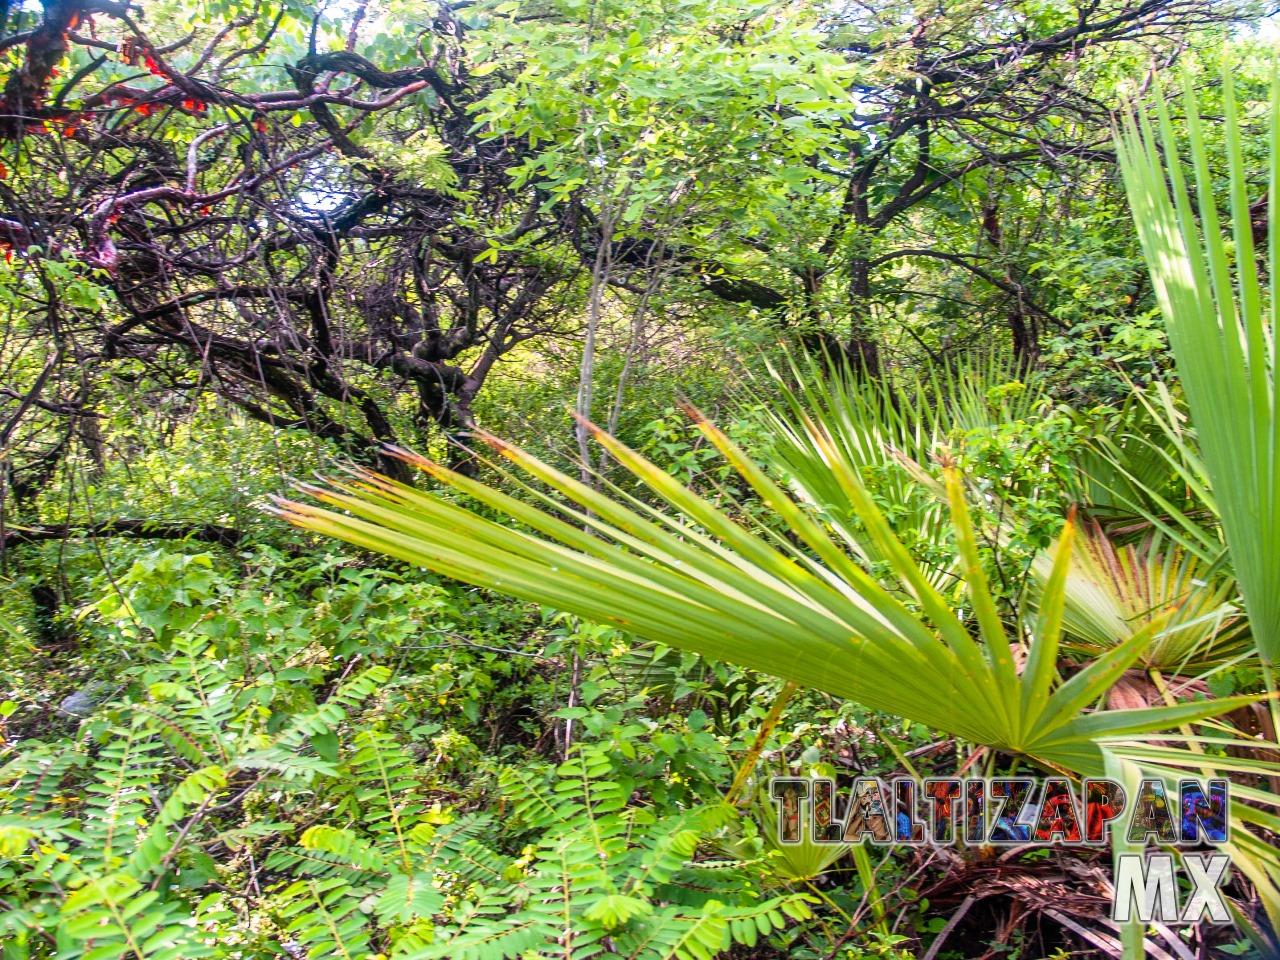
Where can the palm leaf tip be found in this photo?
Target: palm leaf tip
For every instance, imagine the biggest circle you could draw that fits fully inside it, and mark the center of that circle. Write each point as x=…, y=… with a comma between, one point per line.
x=286, y=508
x=408, y=456
x=692, y=412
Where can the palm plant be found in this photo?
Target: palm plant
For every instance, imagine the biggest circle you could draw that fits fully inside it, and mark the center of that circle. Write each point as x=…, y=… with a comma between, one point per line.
x=1221, y=329
x=805, y=608
x=692, y=578
x=800, y=608
x=1113, y=591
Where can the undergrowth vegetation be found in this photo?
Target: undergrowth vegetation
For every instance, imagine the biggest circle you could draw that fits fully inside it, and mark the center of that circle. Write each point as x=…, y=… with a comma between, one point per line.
x=454, y=455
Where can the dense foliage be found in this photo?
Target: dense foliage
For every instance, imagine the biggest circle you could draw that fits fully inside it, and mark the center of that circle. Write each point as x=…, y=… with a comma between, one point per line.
x=920, y=429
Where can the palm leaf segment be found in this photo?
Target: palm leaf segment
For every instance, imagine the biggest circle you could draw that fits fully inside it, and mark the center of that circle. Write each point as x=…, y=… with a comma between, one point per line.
x=1221, y=330
x=692, y=578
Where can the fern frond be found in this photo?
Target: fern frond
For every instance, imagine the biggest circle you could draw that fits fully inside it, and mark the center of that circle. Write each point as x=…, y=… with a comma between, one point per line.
x=325, y=919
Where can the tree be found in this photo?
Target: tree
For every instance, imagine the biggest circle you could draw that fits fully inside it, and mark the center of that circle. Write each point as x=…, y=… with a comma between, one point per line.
x=936, y=123
x=306, y=241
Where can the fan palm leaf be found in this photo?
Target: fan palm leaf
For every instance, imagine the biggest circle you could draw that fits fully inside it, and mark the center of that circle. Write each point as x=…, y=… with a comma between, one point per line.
x=1114, y=591
x=691, y=577
x=887, y=430
x=1221, y=328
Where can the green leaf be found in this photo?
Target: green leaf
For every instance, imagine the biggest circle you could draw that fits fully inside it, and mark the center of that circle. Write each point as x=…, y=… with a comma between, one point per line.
x=1220, y=332
x=614, y=909
x=326, y=745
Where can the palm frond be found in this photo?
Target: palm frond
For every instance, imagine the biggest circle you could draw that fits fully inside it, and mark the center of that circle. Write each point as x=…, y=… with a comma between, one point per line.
x=891, y=432
x=1221, y=332
x=694, y=579
x=1114, y=591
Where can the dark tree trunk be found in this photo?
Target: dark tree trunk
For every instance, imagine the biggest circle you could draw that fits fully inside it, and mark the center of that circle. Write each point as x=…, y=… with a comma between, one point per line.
x=863, y=351
x=1022, y=326
x=53, y=629
x=1026, y=338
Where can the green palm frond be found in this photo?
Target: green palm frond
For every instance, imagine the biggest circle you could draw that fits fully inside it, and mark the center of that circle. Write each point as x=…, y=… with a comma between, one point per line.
x=1140, y=471
x=694, y=579
x=1221, y=327
x=1252, y=823
x=1147, y=475
x=890, y=432
x=793, y=862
